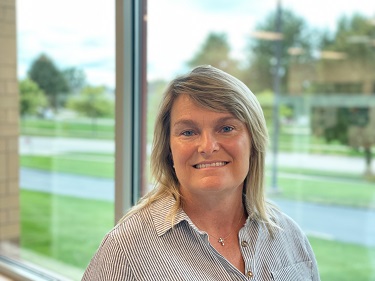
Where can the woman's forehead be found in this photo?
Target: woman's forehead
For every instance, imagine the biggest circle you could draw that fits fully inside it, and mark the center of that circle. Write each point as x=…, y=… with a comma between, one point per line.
x=208, y=104
x=185, y=105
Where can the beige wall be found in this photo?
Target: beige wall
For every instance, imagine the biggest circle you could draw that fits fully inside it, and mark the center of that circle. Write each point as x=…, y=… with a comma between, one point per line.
x=9, y=174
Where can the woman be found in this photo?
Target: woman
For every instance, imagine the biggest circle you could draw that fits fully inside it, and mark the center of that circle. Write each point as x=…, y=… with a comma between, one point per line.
x=207, y=218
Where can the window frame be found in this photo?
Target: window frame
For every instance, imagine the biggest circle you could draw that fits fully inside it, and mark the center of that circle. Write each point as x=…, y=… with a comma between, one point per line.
x=131, y=96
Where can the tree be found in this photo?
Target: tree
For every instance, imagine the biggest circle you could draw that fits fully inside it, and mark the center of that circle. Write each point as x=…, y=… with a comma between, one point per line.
x=354, y=36
x=75, y=79
x=92, y=102
x=32, y=98
x=44, y=72
x=261, y=55
x=215, y=51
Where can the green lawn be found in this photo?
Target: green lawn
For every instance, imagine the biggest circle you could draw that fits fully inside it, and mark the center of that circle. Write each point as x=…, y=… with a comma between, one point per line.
x=353, y=193
x=320, y=173
x=64, y=228
x=83, y=128
x=343, y=261
x=70, y=230
x=98, y=165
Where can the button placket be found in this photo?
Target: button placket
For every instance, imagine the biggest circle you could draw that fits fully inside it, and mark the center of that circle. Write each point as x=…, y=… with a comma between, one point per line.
x=244, y=244
x=247, y=250
x=249, y=274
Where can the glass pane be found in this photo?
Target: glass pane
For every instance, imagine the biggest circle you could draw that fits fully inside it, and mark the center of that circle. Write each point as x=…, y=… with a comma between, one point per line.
x=312, y=67
x=66, y=75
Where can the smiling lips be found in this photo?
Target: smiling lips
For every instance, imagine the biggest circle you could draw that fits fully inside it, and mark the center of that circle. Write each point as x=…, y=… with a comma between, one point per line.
x=207, y=165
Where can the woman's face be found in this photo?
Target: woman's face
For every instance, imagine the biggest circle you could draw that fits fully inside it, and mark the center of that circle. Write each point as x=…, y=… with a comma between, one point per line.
x=210, y=150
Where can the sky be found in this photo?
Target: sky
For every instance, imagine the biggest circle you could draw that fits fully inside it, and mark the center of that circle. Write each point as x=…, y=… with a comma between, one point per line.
x=81, y=33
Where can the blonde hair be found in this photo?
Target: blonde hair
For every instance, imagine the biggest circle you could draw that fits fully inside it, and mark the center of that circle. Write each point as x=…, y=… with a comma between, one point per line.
x=214, y=90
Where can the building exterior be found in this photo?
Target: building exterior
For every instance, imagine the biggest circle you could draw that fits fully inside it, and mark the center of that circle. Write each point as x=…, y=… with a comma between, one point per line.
x=9, y=170
x=339, y=76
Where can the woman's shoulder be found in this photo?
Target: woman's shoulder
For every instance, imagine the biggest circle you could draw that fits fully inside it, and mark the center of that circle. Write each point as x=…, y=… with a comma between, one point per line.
x=124, y=236
x=131, y=225
x=144, y=222
x=119, y=247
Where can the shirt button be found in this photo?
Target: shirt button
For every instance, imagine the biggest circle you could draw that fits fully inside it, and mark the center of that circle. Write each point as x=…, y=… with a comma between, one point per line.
x=249, y=274
x=244, y=244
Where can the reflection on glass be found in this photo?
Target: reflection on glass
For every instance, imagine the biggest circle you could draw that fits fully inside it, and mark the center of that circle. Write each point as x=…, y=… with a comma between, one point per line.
x=326, y=115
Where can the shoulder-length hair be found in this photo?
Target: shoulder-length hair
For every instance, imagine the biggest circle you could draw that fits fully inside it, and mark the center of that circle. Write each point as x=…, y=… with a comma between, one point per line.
x=218, y=91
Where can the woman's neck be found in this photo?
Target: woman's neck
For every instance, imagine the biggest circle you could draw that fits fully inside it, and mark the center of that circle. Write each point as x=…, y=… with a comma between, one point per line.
x=215, y=215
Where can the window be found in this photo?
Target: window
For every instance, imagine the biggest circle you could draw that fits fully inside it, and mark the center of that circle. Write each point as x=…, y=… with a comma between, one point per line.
x=66, y=80
x=319, y=68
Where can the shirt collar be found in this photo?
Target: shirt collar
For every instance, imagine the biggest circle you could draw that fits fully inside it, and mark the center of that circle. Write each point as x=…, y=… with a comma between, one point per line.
x=160, y=211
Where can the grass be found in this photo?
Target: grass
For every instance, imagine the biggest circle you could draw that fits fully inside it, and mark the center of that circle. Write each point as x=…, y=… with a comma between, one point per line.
x=343, y=261
x=70, y=230
x=98, y=165
x=352, y=193
x=329, y=175
x=83, y=128
x=64, y=228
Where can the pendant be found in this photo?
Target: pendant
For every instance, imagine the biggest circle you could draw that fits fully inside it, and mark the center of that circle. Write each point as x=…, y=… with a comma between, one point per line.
x=221, y=241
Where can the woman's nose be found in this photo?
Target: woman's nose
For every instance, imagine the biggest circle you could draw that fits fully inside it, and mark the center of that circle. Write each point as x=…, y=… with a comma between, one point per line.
x=208, y=144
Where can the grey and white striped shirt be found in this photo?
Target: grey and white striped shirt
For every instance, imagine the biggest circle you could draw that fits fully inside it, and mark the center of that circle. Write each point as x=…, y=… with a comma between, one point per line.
x=145, y=246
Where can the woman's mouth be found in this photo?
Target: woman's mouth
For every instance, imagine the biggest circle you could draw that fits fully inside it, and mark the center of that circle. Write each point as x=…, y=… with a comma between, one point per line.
x=213, y=164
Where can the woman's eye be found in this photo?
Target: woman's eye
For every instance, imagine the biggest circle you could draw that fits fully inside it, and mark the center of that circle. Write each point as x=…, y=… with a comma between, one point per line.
x=187, y=133
x=227, y=129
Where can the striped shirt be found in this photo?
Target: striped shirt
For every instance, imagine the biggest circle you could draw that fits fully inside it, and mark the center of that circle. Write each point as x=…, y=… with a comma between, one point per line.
x=145, y=246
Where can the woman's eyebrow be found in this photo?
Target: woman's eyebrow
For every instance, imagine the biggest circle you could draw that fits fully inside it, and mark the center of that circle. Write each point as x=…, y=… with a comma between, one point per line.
x=189, y=122
x=184, y=122
x=226, y=119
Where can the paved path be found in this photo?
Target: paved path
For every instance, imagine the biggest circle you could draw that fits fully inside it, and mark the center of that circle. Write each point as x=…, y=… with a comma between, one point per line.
x=354, y=225
x=53, y=146
x=68, y=184
x=328, y=222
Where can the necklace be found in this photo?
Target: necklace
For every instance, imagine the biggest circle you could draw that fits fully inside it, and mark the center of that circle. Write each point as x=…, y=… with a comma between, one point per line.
x=222, y=240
